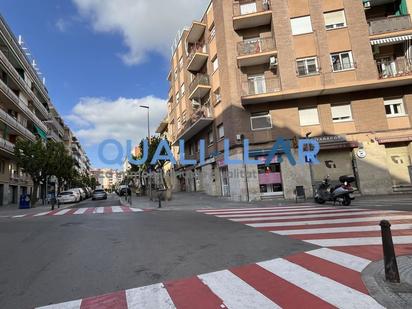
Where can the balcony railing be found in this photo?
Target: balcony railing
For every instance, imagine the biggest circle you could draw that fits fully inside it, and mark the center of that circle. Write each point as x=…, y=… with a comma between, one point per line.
x=241, y=8
x=13, y=97
x=389, y=24
x=200, y=80
x=200, y=113
x=394, y=68
x=23, y=84
x=260, y=86
x=196, y=48
x=6, y=145
x=15, y=124
x=255, y=46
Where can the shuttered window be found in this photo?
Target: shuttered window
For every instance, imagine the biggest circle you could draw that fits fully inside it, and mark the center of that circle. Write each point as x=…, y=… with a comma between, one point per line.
x=301, y=25
x=334, y=20
x=341, y=113
x=308, y=116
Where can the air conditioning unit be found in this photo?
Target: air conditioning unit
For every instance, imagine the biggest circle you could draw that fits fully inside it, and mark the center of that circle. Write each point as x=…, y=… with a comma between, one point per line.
x=273, y=62
x=367, y=4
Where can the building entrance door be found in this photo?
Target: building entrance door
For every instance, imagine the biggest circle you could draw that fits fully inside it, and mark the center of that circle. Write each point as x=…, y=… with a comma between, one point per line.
x=224, y=175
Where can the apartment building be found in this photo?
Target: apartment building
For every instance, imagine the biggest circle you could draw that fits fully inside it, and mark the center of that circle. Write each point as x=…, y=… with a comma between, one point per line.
x=335, y=70
x=107, y=178
x=26, y=111
x=75, y=149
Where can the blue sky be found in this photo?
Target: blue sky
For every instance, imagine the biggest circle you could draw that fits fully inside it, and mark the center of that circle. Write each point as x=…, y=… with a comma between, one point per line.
x=102, y=59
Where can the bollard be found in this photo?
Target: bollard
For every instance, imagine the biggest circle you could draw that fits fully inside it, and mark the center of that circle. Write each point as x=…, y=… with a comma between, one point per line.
x=160, y=199
x=391, y=266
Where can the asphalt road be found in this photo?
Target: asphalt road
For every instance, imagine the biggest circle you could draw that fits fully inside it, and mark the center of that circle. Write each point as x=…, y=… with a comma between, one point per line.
x=53, y=259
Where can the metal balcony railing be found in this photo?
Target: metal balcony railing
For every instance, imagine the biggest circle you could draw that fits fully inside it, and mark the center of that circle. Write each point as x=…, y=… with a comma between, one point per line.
x=15, y=124
x=6, y=145
x=257, y=46
x=394, y=68
x=13, y=97
x=204, y=111
x=23, y=84
x=200, y=80
x=389, y=24
x=258, y=86
x=245, y=7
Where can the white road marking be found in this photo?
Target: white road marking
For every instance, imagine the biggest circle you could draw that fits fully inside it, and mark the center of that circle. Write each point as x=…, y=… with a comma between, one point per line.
x=359, y=241
x=346, y=214
x=99, y=210
x=344, y=259
x=332, y=221
x=62, y=212
x=75, y=304
x=346, y=229
x=19, y=216
x=264, y=211
x=116, y=209
x=234, y=292
x=80, y=211
x=153, y=296
x=335, y=293
x=136, y=209
x=269, y=213
x=256, y=208
x=42, y=214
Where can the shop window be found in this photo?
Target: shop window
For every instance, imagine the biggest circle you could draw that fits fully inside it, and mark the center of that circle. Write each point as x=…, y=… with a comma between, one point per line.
x=394, y=107
x=341, y=113
x=309, y=116
x=261, y=121
x=335, y=20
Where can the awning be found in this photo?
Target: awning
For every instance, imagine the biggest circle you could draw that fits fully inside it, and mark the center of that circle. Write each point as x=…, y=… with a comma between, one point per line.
x=41, y=133
x=394, y=39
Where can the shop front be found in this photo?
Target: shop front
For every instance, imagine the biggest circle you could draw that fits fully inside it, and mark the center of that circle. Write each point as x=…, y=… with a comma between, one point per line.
x=270, y=177
x=224, y=178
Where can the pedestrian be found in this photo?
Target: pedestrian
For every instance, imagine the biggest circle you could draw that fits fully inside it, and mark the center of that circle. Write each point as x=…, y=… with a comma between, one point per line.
x=53, y=200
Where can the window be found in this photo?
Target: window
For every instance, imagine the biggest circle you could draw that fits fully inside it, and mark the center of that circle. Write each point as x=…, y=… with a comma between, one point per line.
x=257, y=84
x=212, y=32
x=221, y=131
x=341, y=113
x=335, y=20
x=301, y=25
x=182, y=89
x=394, y=107
x=184, y=117
x=215, y=64
x=261, y=121
x=175, y=73
x=308, y=116
x=248, y=8
x=179, y=123
x=307, y=66
x=210, y=137
x=177, y=96
x=218, y=97
x=342, y=61
x=181, y=63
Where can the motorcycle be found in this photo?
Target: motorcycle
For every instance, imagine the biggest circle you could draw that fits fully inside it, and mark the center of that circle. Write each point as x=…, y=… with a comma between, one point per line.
x=343, y=193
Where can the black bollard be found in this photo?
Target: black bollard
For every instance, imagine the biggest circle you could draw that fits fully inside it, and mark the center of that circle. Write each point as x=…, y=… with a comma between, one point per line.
x=160, y=199
x=391, y=266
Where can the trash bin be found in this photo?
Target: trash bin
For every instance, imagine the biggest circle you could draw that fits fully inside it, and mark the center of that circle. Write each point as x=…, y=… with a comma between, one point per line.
x=24, y=201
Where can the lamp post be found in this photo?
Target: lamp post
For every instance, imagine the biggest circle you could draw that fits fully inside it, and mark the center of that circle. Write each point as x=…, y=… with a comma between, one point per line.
x=148, y=140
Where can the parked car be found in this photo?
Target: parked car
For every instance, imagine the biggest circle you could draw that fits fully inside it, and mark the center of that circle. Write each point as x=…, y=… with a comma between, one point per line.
x=68, y=197
x=99, y=194
x=81, y=193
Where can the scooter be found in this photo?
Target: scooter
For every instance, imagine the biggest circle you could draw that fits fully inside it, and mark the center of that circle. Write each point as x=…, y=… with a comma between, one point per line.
x=343, y=193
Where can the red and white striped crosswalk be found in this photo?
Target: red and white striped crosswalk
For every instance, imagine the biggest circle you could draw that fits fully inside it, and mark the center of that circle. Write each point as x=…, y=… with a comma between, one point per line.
x=322, y=278
x=352, y=230
x=82, y=211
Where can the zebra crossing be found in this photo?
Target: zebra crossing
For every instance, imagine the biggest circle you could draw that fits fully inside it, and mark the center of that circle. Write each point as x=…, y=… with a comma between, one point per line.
x=82, y=211
x=321, y=278
x=352, y=230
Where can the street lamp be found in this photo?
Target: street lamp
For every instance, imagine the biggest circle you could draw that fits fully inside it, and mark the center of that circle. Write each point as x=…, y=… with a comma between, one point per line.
x=148, y=121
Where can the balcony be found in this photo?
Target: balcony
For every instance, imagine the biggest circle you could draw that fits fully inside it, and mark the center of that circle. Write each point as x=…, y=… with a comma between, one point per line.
x=197, y=57
x=389, y=24
x=196, y=32
x=53, y=122
x=23, y=84
x=391, y=68
x=16, y=125
x=255, y=52
x=51, y=134
x=260, y=89
x=248, y=14
x=23, y=107
x=6, y=146
x=17, y=178
x=201, y=118
x=200, y=86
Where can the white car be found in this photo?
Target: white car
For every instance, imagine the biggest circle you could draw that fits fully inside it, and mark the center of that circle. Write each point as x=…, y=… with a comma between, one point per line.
x=68, y=197
x=80, y=191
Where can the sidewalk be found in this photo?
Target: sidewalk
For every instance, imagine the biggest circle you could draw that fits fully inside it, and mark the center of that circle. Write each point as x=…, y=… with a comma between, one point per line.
x=13, y=210
x=197, y=200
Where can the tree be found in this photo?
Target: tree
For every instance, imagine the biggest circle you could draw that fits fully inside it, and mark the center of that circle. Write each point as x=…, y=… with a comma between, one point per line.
x=32, y=158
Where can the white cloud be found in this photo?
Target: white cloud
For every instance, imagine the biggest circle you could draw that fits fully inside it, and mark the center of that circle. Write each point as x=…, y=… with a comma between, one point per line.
x=98, y=119
x=62, y=25
x=145, y=25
